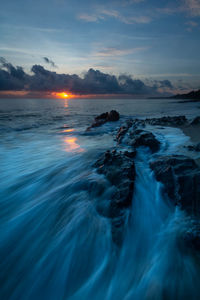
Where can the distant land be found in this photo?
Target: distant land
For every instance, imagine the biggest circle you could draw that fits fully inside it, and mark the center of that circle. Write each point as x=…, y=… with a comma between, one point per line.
x=193, y=95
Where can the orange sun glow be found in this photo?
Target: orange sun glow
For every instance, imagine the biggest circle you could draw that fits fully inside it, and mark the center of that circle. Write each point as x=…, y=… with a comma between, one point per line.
x=63, y=95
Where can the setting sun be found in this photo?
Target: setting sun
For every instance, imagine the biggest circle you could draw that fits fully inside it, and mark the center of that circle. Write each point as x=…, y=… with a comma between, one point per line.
x=63, y=95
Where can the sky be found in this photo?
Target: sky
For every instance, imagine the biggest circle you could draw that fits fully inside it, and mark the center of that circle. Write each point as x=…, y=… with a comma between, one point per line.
x=147, y=46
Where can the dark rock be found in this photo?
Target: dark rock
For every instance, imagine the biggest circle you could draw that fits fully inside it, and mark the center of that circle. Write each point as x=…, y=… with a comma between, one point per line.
x=102, y=116
x=123, y=130
x=112, y=116
x=144, y=138
x=163, y=121
x=119, y=169
x=131, y=154
x=196, y=121
x=168, y=121
x=192, y=236
x=121, y=133
x=194, y=147
x=181, y=178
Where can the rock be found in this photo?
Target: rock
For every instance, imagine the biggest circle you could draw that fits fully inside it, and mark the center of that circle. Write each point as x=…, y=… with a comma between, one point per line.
x=192, y=236
x=168, y=121
x=194, y=147
x=180, y=176
x=112, y=116
x=102, y=116
x=196, y=121
x=123, y=130
x=119, y=169
x=121, y=133
x=144, y=138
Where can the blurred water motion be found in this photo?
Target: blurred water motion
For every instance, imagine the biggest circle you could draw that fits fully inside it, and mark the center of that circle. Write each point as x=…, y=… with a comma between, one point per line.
x=53, y=242
x=71, y=144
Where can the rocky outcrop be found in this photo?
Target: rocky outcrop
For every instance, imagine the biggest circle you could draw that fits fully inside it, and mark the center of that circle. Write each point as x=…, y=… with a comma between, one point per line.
x=111, y=116
x=192, y=235
x=168, y=121
x=123, y=130
x=180, y=176
x=194, y=147
x=144, y=138
x=195, y=121
x=119, y=169
x=163, y=121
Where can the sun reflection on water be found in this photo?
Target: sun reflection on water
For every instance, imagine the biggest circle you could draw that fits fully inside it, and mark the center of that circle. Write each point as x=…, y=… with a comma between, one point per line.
x=66, y=103
x=68, y=130
x=71, y=144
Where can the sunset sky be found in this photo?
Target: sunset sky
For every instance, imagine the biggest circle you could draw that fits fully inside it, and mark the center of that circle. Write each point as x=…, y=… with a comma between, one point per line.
x=155, y=42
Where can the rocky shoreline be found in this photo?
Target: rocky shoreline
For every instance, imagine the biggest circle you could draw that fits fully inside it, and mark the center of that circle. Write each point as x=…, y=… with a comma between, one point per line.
x=179, y=174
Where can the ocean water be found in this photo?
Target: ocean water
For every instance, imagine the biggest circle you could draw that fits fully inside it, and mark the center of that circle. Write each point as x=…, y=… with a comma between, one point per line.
x=53, y=242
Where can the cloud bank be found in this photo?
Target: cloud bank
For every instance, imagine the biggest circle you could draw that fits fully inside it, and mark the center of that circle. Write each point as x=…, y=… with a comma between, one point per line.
x=94, y=82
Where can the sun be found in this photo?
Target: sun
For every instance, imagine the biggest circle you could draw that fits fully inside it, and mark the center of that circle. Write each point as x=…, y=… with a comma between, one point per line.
x=63, y=95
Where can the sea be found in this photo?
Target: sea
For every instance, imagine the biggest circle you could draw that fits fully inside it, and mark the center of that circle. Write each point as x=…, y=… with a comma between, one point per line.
x=53, y=242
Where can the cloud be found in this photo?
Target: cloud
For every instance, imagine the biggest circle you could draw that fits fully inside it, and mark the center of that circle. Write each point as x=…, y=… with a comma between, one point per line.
x=49, y=61
x=89, y=18
x=193, y=6
x=93, y=82
x=191, y=25
x=108, y=52
x=102, y=14
x=135, y=19
x=11, y=78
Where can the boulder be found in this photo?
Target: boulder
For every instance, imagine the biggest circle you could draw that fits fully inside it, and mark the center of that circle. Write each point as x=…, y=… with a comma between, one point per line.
x=112, y=116
x=194, y=147
x=180, y=176
x=123, y=130
x=196, y=121
x=144, y=138
x=119, y=169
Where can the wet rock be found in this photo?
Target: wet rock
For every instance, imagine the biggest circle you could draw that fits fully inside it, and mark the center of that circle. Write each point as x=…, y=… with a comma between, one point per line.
x=168, y=121
x=181, y=178
x=111, y=116
x=123, y=130
x=119, y=169
x=196, y=121
x=121, y=133
x=192, y=236
x=194, y=147
x=144, y=138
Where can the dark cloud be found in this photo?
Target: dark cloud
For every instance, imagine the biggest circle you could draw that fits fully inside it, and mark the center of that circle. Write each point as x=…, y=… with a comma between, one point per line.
x=163, y=84
x=93, y=82
x=49, y=61
x=11, y=78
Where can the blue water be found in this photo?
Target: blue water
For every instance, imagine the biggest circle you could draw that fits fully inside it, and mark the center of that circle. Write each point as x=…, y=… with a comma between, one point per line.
x=53, y=242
